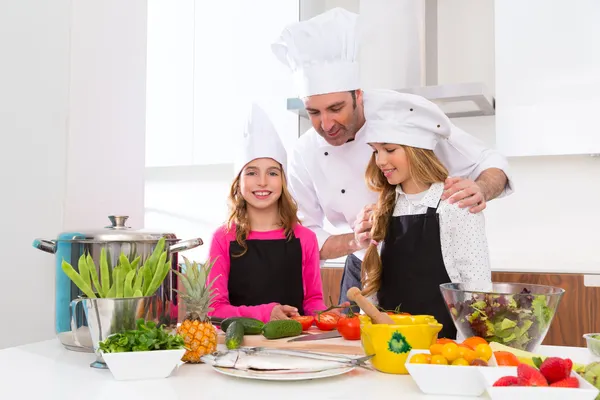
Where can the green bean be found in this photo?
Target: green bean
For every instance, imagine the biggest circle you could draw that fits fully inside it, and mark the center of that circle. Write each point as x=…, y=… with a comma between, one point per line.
x=125, y=263
x=104, y=273
x=112, y=292
x=120, y=280
x=166, y=267
x=77, y=280
x=157, y=274
x=91, y=266
x=137, y=293
x=128, y=290
x=147, y=277
x=156, y=254
x=139, y=278
x=135, y=263
x=83, y=270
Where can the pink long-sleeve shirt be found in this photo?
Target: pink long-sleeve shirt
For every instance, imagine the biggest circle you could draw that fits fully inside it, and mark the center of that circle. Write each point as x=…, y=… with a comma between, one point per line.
x=311, y=273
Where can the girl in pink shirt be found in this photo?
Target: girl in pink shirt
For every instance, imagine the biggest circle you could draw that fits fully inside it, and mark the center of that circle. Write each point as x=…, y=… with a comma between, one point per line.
x=266, y=264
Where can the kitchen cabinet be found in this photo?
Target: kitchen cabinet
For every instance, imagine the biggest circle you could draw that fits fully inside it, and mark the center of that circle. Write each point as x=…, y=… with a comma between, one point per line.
x=547, y=87
x=577, y=312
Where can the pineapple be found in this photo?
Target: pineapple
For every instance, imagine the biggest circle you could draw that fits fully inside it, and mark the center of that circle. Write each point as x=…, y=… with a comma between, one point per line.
x=198, y=333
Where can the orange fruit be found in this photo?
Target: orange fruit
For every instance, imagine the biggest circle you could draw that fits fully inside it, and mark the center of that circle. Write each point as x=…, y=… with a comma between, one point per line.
x=484, y=351
x=473, y=341
x=466, y=353
x=506, y=358
x=460, y=361
x=439, y=360
x=450, y=351
x=436, y=349
x=419, y=358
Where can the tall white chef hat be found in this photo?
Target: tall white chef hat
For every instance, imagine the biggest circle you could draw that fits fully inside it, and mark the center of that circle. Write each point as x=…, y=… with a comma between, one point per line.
x=260, y=140
x=321, y=52
x=405, y=119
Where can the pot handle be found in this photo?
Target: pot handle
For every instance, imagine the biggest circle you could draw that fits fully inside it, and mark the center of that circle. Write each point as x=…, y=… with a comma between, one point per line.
x=49, y=246
x=185, y=245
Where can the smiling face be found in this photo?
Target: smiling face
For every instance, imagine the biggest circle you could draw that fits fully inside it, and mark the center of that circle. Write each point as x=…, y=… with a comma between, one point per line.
x=392, y=161
x=336, y=116
x=261, y=183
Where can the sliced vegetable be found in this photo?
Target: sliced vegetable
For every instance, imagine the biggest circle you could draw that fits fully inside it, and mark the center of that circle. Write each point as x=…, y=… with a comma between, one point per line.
x=326, y=321
x=234, y=335
x=305, y=320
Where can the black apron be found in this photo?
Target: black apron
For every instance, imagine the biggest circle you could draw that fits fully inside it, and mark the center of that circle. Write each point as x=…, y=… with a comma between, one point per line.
x=413, y=269
x=269, y=272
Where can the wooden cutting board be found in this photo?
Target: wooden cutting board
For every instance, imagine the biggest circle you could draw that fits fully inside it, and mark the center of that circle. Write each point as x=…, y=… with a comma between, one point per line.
x=335, y=345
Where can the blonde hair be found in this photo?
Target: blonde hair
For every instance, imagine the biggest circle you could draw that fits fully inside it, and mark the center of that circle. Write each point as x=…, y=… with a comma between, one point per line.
x=424, y=168
x=238, y=212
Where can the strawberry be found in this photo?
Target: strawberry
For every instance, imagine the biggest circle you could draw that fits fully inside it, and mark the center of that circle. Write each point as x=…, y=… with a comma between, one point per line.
x=570, y=382
x=556, y=369
x=531, y=376
x=507, y=381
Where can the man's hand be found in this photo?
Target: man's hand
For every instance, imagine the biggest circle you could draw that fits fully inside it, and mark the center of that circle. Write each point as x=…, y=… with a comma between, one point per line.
x=362, y=227
x=283, y=312
x=465, y=191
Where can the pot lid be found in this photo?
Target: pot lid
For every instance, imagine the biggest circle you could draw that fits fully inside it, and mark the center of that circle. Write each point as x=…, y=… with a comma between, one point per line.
x=117, y=231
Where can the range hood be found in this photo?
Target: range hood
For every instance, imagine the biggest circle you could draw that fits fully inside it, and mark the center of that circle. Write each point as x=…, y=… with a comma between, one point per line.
x=456, y=100
x=417, y=20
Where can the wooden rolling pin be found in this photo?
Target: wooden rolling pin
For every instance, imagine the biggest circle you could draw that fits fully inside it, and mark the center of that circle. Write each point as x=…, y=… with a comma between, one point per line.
x=377, y=317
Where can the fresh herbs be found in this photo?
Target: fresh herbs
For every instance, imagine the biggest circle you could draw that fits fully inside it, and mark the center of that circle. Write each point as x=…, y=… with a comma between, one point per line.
x=514, y=320
x=148, y=336
x=127, y=279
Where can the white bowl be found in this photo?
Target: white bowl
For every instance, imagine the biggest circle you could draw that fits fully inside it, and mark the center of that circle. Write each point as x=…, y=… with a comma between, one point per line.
x=143, y=364
x=584, y=392
x=458, y=380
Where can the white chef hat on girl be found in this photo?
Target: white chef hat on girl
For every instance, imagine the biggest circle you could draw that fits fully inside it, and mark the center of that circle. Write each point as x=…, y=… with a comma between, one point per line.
x=404, y=119
x=259, y=140
x=321, y=52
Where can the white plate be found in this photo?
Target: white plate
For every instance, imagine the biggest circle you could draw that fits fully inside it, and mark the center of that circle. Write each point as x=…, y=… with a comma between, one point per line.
x=584, y=392
x=456, y=380
x=291, y=376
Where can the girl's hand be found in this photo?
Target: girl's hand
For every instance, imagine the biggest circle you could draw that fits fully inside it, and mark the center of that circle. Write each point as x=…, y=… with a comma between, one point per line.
x=362, y=227
x=283, y=312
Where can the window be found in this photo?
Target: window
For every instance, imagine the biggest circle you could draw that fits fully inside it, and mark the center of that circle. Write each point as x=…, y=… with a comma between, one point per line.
x=206, y=61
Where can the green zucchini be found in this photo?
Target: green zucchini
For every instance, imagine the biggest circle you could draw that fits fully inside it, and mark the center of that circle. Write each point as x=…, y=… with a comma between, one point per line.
x=282, y=328
x=251, y=326
x=234, y=335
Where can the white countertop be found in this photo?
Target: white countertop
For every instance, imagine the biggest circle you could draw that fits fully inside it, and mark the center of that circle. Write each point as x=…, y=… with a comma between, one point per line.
x=47, y=371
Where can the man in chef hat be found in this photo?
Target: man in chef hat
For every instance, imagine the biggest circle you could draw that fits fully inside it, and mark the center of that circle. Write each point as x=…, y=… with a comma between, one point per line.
x=327, y=166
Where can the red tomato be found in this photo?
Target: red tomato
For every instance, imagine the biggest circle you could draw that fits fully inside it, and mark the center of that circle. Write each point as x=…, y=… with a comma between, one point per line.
x=326, y=321
x=306, y=321
x=396, y=313
x=349, y=327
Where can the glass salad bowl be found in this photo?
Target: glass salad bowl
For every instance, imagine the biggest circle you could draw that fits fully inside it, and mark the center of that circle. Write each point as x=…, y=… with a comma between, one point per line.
x=514, y=314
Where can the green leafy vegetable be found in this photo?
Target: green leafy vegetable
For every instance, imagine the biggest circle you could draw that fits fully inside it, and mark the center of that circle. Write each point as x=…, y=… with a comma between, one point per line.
x=146, y=337
x=514, y=320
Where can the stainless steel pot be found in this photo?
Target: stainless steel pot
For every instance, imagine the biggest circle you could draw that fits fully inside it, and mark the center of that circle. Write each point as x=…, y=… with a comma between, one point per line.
x=116, y=238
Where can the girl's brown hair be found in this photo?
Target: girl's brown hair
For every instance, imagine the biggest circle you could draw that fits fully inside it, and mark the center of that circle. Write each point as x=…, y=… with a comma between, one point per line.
x=238, y=212
x=424, y=169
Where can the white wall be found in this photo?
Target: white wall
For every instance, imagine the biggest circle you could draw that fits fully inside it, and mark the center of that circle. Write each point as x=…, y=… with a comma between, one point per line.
x=72, y=122
x=549, y=223
x=34, y=88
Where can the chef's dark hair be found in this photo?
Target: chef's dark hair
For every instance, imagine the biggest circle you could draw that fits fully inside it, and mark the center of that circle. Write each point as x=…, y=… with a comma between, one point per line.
x=425, y=168
x=238, y=212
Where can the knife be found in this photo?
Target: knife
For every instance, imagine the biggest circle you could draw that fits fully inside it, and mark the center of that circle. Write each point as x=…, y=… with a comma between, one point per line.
x=317, y=336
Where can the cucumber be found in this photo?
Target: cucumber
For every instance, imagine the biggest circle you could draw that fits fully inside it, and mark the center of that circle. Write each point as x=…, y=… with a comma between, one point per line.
x=234, y=335
x=282, y=328
x=251, y=326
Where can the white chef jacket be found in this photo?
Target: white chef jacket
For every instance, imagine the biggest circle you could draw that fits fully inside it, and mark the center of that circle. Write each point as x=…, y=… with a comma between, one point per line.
x=328, y=182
